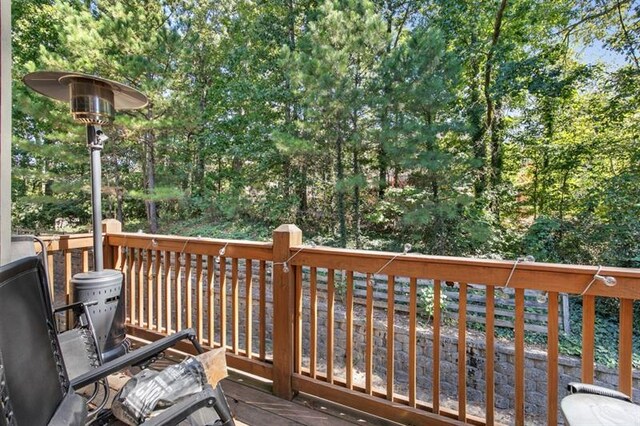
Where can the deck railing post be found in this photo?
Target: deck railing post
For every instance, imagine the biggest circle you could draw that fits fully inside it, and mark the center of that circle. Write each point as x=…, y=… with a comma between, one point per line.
x=284, y=237
x=109, y=226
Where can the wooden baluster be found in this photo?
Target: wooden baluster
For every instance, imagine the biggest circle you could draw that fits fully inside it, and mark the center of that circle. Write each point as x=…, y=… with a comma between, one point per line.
x=248, y=307
x=519, y=349
x=369, y=337
x=211, y=295
x=391, y=308
x=436, y=346
x=85, y=260
x=490, y=353
x=298, y=322
x=158, y=271
x=313, y=321
x=199, y=298
x=263, y=309
x=177, y=288
x=462, y=352
x=625, y=347
x=68, y=293
x=141, y=278
x=68, y=274
x=234, y=305
x=552, y=359
x=330, y=322
x=116, y=254
x=167, y=288
x=413, y=321
x=188, y=293
x=150, y=283
x=223, y=301
x=119, y=258
x=131, y=281
x=51, y=276
x=588, y=337
x=349, y=343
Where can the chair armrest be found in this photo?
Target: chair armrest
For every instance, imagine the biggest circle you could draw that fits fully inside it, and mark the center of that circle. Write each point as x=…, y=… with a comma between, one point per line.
x=178, y=412
x=75, y=306
x=139, y=355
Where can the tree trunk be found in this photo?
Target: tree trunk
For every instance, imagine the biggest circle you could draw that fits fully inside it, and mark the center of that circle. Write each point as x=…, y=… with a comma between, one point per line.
x=340, y=193
x=480, y=149
x=496, y=160
x=119, y=192
x=150, y=204
x=477, y=133
x=356, y=199
x=383, y=160
x=291, y=116
x=303, y=201
x=200, y=160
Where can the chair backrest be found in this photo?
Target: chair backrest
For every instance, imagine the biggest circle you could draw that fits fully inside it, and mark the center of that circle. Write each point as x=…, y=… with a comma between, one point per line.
x=35, y=377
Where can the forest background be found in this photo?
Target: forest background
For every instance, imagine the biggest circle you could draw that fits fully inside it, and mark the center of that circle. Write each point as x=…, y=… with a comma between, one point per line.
x=468, y=128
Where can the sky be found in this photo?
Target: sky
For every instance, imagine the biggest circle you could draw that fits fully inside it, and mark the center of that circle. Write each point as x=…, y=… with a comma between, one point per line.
x=595, y=53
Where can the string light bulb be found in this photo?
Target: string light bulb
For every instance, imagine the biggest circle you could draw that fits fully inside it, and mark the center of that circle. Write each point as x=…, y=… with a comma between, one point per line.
x=609, y=281
x=407, y=248
x=542, y=297
x=504, y=295
x=285, y=267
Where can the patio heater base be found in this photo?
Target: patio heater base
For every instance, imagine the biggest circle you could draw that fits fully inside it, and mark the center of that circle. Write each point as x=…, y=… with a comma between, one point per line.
x=108, y=315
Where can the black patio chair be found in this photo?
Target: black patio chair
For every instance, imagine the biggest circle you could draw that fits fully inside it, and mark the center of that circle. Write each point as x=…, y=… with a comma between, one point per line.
x=34, y=386
x=76, y=334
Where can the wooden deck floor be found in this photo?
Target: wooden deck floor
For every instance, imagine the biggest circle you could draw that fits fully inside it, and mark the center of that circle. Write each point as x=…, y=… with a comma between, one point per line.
x=253, y=404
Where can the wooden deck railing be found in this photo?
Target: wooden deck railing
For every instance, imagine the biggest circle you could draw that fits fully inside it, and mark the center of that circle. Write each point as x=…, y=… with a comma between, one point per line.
x=262, y=301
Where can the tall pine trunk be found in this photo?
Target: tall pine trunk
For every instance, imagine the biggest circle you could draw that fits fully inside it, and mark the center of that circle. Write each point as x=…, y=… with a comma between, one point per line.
x=150, y=168
x=342, y=219
x=356, y=199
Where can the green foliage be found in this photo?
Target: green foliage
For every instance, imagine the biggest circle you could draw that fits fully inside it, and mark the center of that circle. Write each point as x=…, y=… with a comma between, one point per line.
x=426, y=302
x=458, y=127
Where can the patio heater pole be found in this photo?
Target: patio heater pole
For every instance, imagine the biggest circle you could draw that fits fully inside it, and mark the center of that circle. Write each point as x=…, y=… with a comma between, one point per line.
x=93, y=102
x=95, y=141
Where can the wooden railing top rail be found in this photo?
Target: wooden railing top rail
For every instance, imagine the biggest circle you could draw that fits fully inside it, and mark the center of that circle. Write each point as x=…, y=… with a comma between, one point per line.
x=193, y=245
x=67, y=241
x=530, y=275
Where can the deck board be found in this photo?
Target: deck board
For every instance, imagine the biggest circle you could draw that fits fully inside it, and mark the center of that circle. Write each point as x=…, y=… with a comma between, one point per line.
x=255, y=407
x=252, y=403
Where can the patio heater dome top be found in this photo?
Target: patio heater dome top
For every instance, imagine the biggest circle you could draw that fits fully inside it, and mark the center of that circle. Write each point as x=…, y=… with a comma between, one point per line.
x=93, y=100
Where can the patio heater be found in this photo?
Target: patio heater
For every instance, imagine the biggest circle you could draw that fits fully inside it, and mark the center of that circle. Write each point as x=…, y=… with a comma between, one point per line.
x=93, y=103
